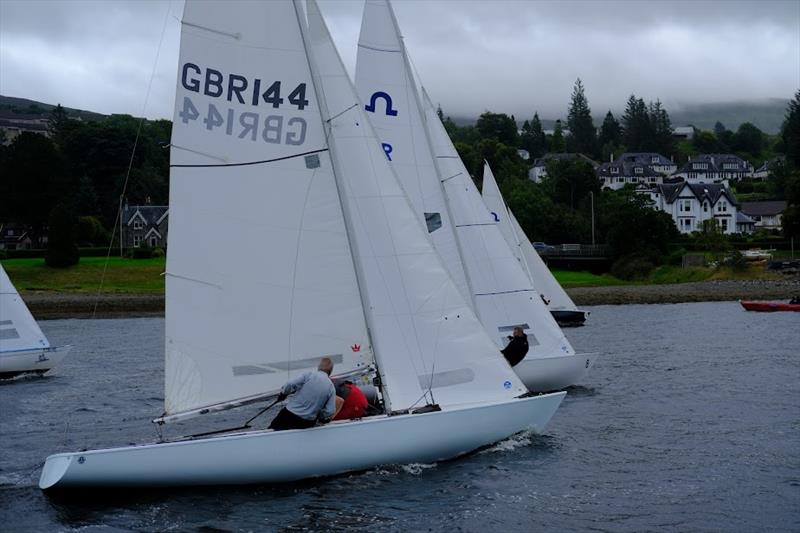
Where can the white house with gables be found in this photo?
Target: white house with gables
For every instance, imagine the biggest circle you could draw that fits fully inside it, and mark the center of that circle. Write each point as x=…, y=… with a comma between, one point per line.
x=690, y=204
x=712, y=168
x=144, y=225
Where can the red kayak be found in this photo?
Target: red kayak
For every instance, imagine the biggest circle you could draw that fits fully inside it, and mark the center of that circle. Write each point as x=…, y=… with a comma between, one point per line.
x=769, y=306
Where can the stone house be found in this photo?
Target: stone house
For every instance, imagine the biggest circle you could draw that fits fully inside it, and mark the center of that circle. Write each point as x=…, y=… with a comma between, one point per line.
x=144, y=225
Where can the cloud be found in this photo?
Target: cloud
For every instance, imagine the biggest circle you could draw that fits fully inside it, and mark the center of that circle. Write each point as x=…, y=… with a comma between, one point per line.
x=515, y=57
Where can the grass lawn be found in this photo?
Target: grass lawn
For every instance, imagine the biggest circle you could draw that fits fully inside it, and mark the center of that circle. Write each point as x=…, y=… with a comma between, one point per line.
x=569, y=278
x=123, y=275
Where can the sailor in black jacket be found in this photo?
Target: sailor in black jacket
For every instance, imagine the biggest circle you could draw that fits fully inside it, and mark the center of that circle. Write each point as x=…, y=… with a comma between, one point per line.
x=517, y=347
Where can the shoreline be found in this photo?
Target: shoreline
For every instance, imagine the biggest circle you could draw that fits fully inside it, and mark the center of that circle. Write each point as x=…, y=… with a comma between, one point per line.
x=49, y=305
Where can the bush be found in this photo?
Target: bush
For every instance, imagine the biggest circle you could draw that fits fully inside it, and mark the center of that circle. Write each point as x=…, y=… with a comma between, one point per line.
x=159, y=252
x=3, y=254
x=143, y=252
x=61, y=248
x=675, y=257
x=632, y=267
x=736, y=261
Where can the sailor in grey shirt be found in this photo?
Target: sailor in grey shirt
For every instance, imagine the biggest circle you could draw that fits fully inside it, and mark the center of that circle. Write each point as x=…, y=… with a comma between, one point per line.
x=311, y=396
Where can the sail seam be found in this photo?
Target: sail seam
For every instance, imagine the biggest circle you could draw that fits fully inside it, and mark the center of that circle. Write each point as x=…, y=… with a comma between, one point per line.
x=378, y=49
x=476, y=224
x=249, y=163
x=503, y=292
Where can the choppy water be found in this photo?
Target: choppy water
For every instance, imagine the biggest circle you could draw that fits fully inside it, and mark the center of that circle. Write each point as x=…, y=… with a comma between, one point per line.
x=689, y=422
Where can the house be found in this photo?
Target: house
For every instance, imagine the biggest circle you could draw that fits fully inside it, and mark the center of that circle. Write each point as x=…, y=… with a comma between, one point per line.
x=19, y=237
x=744, y=224
x=691, y=204
x=13, y=124
x=684, y=133
x=712, y=168
x=524, y=154
x=144, y=225
x=765, y=170
x=767, y=215
x=635, y=168
x=539, y=168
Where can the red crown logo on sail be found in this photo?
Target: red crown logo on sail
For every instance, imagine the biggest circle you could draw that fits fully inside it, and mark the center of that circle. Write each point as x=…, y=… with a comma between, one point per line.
x=356, y=347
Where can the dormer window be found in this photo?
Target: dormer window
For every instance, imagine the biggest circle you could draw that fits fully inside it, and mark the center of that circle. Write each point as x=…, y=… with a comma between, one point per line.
x=654, y=159
x=613, y=170
x=638, y=170
x=700, y=166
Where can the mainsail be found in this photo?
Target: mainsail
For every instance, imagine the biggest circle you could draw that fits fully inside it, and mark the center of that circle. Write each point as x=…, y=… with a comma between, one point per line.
x=387, y=88
x=526, y=254
x=503, y=292
x=260, y=277
x=427, y=340
x=18, y=329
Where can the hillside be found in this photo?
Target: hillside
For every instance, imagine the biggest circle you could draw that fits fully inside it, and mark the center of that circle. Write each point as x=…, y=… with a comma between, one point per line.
x=23, y=106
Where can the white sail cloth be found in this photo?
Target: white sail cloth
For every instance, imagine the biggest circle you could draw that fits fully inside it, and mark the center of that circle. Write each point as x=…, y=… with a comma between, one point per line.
x=260, y=278
x=386, y=87
x=18, y=329
x=503, y=293
x=526, y=254
x=427, y=340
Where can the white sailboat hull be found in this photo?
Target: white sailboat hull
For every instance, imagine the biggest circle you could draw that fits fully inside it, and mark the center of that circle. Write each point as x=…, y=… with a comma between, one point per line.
x=33, y=361
x=269, y=457
x=544, y=374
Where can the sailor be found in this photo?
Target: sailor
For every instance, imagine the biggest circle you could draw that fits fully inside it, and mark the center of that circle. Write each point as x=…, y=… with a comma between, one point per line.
x=795, y=300
x=311, y=396
x=517, y=347
x=350, y=402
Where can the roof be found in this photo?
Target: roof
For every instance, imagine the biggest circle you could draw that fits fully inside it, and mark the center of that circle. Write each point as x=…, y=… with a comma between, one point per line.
x=702, y=191
x=566, y=156
x=644, y=158
x=626, y=168
x=151, y=213
x=741, y=218
x=765, y=208
x=715, y=162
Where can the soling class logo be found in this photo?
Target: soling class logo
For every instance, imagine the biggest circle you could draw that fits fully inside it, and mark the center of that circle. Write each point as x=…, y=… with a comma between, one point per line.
x=507, y=385
x=356, y=348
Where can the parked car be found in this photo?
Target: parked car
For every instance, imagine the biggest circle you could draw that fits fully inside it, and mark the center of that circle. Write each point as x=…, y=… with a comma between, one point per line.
x=543, y=248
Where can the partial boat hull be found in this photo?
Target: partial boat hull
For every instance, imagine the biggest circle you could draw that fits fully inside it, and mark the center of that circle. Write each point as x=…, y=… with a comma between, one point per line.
x=569, y=317
x=270, y=457
x=35, y=361
x=769, y=307
x=544, y=374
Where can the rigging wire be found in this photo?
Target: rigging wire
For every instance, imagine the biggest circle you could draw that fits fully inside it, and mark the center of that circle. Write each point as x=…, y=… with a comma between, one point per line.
x=142, y=120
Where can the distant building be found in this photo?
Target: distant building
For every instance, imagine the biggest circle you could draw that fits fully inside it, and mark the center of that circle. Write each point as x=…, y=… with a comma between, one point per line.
x=683, y=133
x=690, y=204
x=539, y=168
x=767, y=168
x=713, y=168
x=635, y=168
x=144, y=225
x=13, y=124
x=19, y=237
x=767, y=215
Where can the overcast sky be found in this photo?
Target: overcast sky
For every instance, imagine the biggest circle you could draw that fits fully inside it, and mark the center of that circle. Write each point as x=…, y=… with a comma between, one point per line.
x=506, y=56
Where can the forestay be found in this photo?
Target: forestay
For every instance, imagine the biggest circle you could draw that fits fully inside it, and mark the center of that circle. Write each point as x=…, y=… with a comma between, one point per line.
x=427, y=340
x=503, y=293
x=386, y=86
x=260, y=278
x=18, y=329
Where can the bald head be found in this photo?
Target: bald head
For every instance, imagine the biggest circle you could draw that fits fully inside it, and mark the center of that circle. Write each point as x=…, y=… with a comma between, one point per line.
x=325, y=365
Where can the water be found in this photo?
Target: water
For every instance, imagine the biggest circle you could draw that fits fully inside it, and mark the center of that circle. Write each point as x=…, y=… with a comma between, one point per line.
x=690, y=421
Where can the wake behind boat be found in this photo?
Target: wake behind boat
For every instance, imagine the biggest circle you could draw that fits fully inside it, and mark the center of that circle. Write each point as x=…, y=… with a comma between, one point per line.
x=269, y=131
x=24, y=349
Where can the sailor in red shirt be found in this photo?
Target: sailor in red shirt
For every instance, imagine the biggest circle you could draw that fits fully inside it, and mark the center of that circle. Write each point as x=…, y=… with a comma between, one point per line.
x=350, y=402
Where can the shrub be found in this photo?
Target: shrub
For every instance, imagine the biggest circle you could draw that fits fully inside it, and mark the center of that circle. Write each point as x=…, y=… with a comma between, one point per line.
x=675, y=257
x=632, y=267
x=61, y=248
x=159, y=252
x=736, y=261
x=143, y=252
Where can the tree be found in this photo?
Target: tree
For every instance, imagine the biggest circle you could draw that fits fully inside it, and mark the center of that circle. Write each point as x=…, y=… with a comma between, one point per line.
x=570, y=181
x=497, y=126
x=539, y=140
x=636, y=128
x=61, y=248
x=749, y=139
x=790, y=131
x=661, y=129
x=610, y=136
x=582, y=134
x=557, y=144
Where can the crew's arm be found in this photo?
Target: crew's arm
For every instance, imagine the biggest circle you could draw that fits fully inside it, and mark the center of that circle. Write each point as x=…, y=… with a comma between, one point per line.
x=330, y=407
x=294, y=384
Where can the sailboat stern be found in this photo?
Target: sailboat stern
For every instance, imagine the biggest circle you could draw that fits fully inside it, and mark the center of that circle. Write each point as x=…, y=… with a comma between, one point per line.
x=544, y=374
x=569, y=318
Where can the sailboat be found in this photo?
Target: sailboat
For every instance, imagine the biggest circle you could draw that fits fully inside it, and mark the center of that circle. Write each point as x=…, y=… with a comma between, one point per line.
x=24, y=349
x=321, y=254
x=419, y=149
x=561, y=306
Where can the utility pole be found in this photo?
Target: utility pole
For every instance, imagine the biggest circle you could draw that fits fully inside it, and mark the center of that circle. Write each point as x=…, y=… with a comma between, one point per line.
x=591, y=197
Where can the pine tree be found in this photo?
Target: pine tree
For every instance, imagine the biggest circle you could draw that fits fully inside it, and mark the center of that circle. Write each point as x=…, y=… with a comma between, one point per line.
x=557, y=144
x=539, y=142
x=790, y=131
x=582, y=134
x=661, y=129
x=610, y=136
x=636, y=127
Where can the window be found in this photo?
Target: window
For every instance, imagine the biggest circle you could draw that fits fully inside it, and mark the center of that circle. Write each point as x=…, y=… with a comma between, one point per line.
x=654, y=159
x=433, y=221
x=638, y=170
x=137, y=224
x=687, y=224
x=724, y=223
x=700, y=166
x=686, y=206
x=137, y=241
x=705, y=207
x=11, y=233
x=613, y=170
x=722, y=207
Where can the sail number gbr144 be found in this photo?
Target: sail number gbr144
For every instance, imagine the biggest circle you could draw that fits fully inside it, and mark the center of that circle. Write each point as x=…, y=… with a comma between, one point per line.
x=234, y=88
